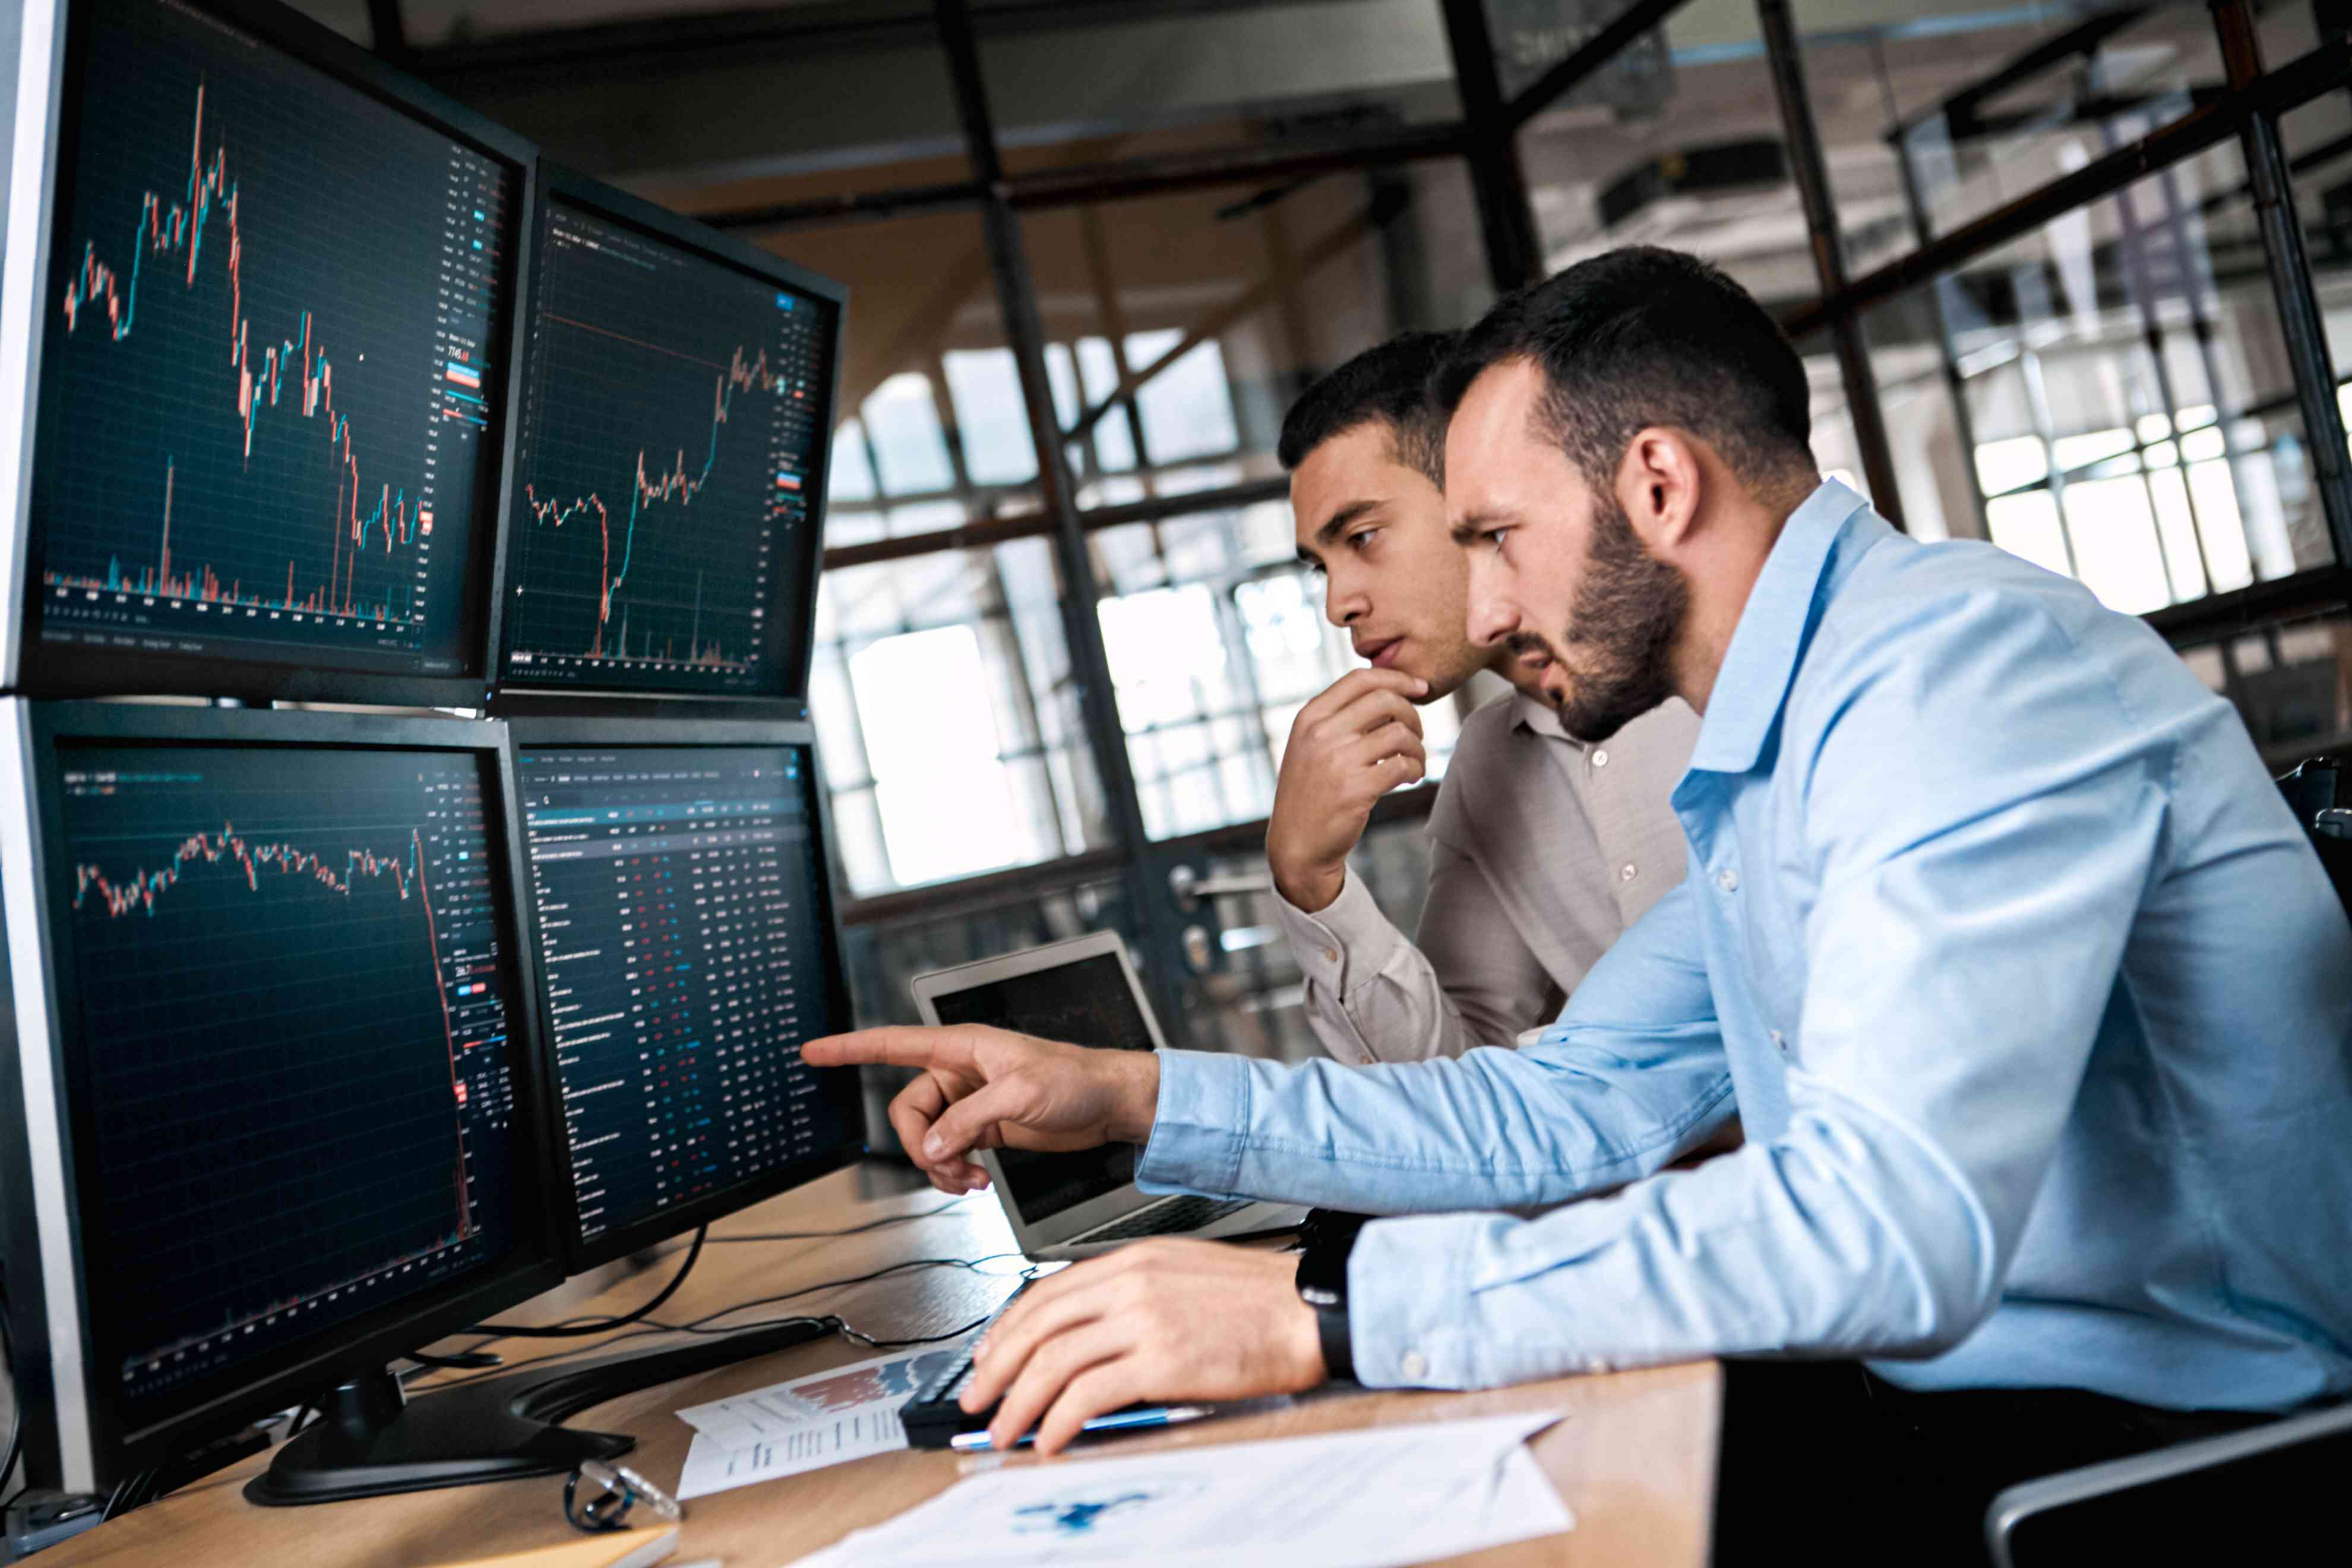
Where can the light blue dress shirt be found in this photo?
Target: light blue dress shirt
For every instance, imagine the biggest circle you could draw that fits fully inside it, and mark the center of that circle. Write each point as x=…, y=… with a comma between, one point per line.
x=2034, y=1001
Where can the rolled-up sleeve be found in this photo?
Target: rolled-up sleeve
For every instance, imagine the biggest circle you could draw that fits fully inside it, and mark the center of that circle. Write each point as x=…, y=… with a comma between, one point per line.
x=1983, y=810
x=1633, y=1074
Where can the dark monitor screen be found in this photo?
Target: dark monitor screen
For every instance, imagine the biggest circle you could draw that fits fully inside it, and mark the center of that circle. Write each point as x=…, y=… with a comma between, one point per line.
x=687, y=951
x=271, y=372
x=1086, y=1003
x=676, y=411
x=299, y=1093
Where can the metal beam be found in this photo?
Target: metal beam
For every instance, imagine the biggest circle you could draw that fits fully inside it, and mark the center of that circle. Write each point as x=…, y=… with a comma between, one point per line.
x=1506, y=219
x=1588, y=58
x=850, y=206
x=1087, y=184
x=1807, y=167
x=1232, y=166
x=1090, y=662
x=2322, y=70
x=990, y=889
x=1256, y=297
x=637, y=45
x=2077, y=40
x=2300, y=322
x=2320, y=591
x=990, y=531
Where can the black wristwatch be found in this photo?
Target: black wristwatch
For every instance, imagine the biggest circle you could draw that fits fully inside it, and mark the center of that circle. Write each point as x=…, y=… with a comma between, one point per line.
x=1326, y=1239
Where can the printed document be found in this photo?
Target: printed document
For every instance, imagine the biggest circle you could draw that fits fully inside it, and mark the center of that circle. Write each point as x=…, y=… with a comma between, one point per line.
x=825, y=1418
x=1393, y=1495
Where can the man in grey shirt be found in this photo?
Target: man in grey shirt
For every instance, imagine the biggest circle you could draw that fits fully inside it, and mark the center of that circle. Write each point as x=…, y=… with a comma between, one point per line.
x=1542, y=850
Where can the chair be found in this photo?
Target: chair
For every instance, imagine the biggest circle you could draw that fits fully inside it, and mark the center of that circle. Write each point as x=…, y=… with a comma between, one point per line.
x=2231, y=1488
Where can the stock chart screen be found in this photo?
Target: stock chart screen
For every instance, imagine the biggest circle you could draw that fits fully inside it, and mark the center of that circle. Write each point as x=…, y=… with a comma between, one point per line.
x=269, y=377
x=299, y=1088
x=672, y=430
x=683, y=947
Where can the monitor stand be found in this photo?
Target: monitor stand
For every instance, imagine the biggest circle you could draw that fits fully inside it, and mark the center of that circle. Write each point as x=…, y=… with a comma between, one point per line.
x=372, y=1440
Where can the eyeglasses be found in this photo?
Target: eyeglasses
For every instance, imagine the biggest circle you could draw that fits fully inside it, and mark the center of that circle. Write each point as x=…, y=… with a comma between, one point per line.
x=612, y=1490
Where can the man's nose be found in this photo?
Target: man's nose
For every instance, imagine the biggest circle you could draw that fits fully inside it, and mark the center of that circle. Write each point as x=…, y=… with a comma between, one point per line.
x=1492, y=618
x=1344, y=603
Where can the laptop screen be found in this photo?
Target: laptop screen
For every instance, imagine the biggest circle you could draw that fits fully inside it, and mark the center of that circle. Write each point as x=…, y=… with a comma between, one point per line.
x=1087, y=1002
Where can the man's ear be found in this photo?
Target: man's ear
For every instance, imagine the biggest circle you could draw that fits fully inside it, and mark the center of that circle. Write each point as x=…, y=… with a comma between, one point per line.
x=1659, y=484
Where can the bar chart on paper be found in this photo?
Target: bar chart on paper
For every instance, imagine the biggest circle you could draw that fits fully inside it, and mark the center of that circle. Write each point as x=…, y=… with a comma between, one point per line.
x=265, y=391
x=663, y=467
x=291, y=1009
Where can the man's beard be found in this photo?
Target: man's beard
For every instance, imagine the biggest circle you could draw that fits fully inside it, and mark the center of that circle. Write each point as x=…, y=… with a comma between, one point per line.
x=1617, y=651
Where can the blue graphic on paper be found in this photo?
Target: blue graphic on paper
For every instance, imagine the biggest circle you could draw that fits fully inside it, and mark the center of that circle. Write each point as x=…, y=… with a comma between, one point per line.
x=1077, y=1516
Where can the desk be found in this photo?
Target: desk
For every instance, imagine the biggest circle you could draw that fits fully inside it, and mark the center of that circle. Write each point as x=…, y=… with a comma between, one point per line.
x=1635, y=1459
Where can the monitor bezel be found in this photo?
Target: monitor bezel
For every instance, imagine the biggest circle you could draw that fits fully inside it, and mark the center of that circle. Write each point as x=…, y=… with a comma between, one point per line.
x=307, y=1367
x=557, y=183
x=842, y=1085
x=35, y=669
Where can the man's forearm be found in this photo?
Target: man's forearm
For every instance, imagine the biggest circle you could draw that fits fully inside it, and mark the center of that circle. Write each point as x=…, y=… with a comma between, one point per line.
x=1140, y=1098
x=1373, y=996
x=1495, y=1129
x=1849, y=1240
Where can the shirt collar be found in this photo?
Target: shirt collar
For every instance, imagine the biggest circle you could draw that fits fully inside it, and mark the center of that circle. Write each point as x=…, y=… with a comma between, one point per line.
x=1534, y=714
x=1805, y=563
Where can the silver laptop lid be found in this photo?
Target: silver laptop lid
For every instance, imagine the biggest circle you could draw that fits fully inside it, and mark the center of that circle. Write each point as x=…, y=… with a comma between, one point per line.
x=1083, y=991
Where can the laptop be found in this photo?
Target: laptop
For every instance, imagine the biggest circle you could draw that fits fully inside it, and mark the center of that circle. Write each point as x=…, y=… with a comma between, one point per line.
x=1064, y=1207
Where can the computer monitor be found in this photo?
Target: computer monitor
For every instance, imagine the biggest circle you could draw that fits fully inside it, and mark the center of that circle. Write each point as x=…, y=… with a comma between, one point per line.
x=687, y=950
x=258, y=302
x=670, y=462
x=278, y=1108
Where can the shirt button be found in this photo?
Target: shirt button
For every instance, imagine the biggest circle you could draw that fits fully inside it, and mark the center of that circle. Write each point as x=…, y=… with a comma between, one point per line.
x=1600, y=759
x=1415, y=1365
x=1625, y=873
x=1331, y=956
x=1778, y=1043
x=1728, y=881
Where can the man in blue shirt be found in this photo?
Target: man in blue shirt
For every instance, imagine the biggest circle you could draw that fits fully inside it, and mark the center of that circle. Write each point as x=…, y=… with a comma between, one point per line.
x=2034, y=1000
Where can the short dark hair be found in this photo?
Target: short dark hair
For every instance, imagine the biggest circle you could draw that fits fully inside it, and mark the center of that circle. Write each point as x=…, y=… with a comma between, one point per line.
x=1643, y=336
x=1390, y=384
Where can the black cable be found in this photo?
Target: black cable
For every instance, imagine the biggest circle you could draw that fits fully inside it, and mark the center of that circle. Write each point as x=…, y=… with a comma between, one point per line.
x=464, y=1361
x=575, y=1327
x=829, y=1235
x=699, y=1326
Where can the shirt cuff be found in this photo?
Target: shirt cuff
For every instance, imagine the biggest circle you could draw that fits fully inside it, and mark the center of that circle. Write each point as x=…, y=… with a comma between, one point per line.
x=1199, y=1126
x=1409, y=1320
x=1343, y=944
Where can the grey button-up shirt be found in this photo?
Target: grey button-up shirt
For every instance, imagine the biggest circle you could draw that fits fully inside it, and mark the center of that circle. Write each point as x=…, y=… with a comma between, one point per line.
x=1542, y=851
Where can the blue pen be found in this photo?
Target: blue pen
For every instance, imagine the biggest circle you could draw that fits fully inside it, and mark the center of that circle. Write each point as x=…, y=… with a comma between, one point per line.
x=1116, y=1421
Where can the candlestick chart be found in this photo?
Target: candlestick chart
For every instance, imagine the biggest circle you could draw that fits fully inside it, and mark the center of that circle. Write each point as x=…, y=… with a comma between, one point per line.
x=267, y=377
x=670, y=426
x=291, y=1009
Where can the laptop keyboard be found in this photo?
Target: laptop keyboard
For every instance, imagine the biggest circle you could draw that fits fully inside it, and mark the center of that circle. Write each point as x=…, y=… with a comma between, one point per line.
x=1167, y=1218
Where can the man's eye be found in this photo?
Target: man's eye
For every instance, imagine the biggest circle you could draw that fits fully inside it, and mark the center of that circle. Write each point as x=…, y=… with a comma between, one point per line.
x=1494, y=536
x=1356, y=541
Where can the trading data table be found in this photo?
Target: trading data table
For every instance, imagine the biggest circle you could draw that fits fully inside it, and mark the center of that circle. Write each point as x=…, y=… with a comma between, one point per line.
x=682, y=940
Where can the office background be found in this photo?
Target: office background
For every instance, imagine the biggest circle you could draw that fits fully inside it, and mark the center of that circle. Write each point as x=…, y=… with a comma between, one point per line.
x=2074, y=278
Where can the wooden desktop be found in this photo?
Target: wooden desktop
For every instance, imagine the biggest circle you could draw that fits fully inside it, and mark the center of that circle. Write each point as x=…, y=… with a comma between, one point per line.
x=1634, y=1460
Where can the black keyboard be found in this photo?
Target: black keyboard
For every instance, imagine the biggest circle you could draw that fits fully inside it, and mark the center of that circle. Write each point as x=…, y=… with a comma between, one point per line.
x=1166, y=1220
x=933, y=1419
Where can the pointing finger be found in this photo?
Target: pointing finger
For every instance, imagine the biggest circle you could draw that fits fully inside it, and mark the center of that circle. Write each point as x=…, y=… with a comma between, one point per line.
x=897, y=1045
